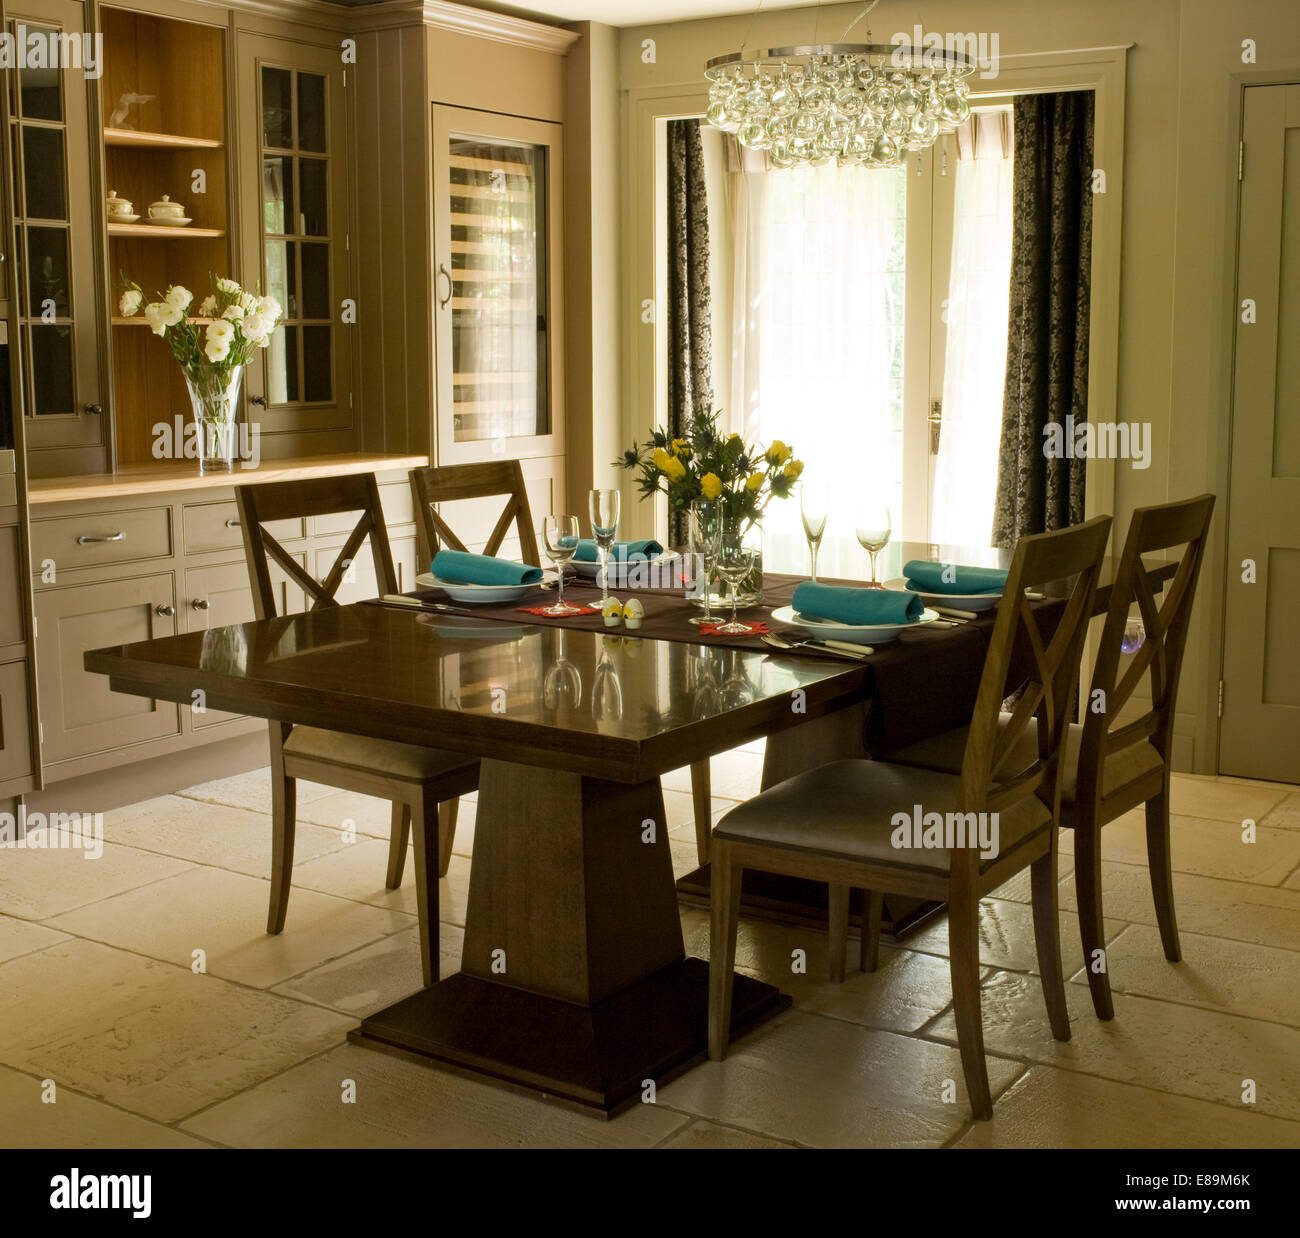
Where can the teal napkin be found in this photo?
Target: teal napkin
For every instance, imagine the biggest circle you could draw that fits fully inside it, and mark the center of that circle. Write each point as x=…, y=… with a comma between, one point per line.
x=929, y=577
x=845, y=605
x=466, y=569
x=620, y=552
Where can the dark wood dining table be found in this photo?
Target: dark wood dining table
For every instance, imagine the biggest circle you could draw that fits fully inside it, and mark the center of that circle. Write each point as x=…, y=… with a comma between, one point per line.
x=574, y=980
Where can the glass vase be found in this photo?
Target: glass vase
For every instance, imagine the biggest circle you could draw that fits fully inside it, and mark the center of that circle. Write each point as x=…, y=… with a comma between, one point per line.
x=750, y=590
x=214, y=399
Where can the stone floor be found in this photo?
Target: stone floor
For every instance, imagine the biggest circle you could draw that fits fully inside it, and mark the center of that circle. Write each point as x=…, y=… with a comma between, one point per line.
x=101, y=995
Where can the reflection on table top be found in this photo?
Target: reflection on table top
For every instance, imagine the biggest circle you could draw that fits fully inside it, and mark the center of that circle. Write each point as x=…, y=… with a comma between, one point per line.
x=621, y=706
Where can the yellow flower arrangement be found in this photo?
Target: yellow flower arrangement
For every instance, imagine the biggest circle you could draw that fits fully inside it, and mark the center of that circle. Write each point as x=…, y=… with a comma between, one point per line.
x=794, y=469
x=778, y=453
x=754, y=482
x=710, y=486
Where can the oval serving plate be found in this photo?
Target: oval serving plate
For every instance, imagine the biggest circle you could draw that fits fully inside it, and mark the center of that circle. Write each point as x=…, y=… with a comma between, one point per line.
x=974, y=602
x=855, y=634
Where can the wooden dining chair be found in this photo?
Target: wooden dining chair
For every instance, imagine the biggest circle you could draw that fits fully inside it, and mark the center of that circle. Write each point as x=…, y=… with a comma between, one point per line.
x=852, y=823
x=452, y=482
x=423, y=783
x=1114, y=763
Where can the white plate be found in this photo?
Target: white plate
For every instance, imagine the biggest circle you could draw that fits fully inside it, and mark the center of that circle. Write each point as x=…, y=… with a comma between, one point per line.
x=853, y=633
x=650, y=571
x=171, y=222
x=467, y=627
x=475, y=593
x=973, y=602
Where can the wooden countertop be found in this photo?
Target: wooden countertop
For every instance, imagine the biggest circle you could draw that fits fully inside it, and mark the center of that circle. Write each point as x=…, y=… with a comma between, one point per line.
x=168, y=477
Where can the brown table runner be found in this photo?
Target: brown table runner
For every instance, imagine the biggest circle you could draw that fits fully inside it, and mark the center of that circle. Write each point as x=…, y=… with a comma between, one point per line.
x=923, y=683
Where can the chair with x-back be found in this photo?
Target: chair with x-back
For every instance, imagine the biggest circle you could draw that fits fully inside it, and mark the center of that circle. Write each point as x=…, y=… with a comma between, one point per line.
x=423, y=783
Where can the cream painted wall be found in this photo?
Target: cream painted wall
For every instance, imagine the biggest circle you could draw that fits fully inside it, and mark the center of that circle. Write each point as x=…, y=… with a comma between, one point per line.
x=1180, y=169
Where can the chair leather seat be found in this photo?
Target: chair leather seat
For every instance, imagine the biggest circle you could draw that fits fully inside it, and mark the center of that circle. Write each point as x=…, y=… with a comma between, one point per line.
x=1122, y=766
x=846, y=810
x=411, y=762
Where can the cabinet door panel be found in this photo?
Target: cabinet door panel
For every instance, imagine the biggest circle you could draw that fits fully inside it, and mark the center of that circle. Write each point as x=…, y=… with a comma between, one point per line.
x=13, y=624
x=15, y=725
x=80, y=713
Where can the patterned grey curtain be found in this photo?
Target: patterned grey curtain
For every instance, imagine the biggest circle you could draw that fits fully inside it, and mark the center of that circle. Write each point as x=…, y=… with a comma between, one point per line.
x=1047, y=344
x=690, y=336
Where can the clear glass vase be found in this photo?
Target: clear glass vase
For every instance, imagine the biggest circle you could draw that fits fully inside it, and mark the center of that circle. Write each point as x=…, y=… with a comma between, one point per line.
x=214, y=399
x=750, y=590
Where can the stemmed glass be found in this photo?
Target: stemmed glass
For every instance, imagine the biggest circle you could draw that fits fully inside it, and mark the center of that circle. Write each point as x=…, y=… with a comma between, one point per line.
x=873, y=536
x=562, y=685
x=814, y=506
x=706, y=538
x=561, y=537
x=735, y=560
x=603, y=506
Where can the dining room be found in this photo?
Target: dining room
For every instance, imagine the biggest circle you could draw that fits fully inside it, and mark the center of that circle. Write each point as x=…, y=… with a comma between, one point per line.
x=650, y=574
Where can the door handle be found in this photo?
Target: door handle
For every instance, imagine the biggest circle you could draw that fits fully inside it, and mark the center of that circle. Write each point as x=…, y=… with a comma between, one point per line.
x=259, y=400
x=200, y=604
x=443, y=273
x=164, y=611
x=93, y=410
x=88, y=539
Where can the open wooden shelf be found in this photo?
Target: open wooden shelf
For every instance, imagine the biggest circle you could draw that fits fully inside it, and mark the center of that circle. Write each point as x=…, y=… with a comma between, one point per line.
x=161, y=231
x=158, y=141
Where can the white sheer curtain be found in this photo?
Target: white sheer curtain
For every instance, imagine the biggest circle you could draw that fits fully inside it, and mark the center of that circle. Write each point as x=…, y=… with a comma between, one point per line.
x=965, y=481
x=817, y=343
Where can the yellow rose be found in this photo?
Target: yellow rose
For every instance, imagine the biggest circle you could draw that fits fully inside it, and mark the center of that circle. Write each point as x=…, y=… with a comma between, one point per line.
x=793, y=469
x=681, y=447
x=754, y=482
x=710, y=486
x=778, y=453
x=674, y=469
x=661, y=459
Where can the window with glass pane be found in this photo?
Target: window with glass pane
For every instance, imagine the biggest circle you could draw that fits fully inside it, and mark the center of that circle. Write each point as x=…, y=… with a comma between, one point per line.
x=499, y=288
x=296, y=235
x=38, y=139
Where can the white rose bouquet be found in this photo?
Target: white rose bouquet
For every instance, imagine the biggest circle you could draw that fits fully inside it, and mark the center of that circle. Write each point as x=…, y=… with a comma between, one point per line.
x=212, y=354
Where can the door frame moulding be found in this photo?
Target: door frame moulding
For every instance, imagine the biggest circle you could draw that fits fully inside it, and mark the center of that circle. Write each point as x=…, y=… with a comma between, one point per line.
x=1102, y=70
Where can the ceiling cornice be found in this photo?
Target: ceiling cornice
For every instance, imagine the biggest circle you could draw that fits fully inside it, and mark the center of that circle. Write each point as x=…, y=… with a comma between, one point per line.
x=443, y=15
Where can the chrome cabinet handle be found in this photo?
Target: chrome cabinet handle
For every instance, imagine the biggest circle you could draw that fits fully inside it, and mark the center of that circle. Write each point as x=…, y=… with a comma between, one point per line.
x=87, y=539
x=232, y=524
x=164, y=611
x=200, y=604
x=443, y=273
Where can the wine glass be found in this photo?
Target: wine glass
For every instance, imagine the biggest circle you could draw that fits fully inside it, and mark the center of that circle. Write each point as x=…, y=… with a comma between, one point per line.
x=735, y=560
x=873, y=536
x=706, y=538
x=561, y=537
x=603, y=506
x=814, y=506
x=562, y=685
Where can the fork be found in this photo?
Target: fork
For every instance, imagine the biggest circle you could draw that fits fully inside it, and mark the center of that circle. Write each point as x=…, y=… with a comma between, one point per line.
x=836, y=648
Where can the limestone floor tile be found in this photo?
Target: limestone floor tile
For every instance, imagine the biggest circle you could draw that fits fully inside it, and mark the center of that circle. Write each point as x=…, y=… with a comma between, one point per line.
x=828, y=1083
x=1285, y=816
x=1007, y=936
x=686, y=856
x=1048, y=1108
x=405, y=1104
x=1210, y=848
x=37, y=884
x=18, y=937
x=341, y=810
x=1232, y=909
x=358, y=873
x=703, y=1134
x=904, y=993
x=150, y=1037
x=1293, y=881
x=1017, y=890
x=1223, y=799
x=224, y=914
x=1236, y=977
x=735, y=775
x=251, y=790
x=1156, y=1044
x=215, y=834
x=74, y=1121
x=377, y=975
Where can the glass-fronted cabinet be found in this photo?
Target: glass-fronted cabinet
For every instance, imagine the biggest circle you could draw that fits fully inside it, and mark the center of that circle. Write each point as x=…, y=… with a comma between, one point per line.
x=498, y=285
x=296, y=238
x=57, y=346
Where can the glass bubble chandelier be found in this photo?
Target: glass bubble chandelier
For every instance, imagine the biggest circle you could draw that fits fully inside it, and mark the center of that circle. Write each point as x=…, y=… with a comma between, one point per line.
x=847, y=104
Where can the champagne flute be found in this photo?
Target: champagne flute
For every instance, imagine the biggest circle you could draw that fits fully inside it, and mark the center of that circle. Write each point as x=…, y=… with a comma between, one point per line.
x=814, y=507
x=603, y=505
x=735, y=560
x=706, y=536
x=560, y=534
x=873, y=536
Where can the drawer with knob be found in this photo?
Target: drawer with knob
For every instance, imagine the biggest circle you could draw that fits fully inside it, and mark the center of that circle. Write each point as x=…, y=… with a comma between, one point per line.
x=215, y=526
x=98, y=539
